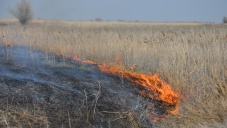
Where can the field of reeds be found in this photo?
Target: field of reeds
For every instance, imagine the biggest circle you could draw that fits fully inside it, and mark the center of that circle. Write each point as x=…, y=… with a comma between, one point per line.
x=191, y=57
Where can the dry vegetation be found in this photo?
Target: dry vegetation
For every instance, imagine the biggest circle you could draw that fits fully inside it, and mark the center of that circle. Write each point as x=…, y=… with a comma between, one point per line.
x=191, y=57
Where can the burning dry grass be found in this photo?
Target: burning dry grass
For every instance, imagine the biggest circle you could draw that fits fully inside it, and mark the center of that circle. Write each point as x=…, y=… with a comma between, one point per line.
x=191, y=58
x=152, y=87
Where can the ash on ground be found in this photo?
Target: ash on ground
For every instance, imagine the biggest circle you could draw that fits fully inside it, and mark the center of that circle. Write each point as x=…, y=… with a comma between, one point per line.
x=44, y=90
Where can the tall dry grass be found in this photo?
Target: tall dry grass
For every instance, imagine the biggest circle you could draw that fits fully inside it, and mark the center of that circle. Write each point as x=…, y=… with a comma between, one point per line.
x=191, y=57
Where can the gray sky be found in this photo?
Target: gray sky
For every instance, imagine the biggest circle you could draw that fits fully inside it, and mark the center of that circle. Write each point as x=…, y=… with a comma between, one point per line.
x=128, y=10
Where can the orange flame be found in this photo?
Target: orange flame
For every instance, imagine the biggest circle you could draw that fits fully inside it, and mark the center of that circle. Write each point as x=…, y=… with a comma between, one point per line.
x=153, y=86
x=162, y=91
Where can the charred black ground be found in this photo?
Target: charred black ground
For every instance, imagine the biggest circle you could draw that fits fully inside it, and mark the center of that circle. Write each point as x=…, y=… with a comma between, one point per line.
x=40, y=90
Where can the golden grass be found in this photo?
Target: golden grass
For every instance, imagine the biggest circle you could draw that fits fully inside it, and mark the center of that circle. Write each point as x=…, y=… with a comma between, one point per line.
x=192, y=57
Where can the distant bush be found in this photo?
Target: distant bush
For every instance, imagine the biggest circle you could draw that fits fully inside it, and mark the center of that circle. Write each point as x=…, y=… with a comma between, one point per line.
x=98, y=19
x=22, y=11
x=3, y=24
x=224, y=19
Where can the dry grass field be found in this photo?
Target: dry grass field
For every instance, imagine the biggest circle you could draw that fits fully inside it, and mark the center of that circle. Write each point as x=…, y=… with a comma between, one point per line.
x=191, y=57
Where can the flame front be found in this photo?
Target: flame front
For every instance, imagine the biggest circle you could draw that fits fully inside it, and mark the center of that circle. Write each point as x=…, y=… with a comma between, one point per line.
x=153, y=86
x=162, y=91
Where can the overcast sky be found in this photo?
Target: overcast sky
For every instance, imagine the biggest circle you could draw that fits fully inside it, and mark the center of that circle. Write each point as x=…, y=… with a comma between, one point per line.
x=128, y=10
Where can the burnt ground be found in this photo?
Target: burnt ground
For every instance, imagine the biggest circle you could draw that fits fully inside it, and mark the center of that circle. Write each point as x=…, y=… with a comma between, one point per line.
x=42, y=90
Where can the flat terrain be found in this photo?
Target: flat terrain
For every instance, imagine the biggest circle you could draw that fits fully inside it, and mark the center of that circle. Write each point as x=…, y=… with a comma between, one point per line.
x=43, y=90
x=191, y=57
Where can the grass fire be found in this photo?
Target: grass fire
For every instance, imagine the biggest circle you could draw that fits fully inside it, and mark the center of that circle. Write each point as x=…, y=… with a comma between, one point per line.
x=153, y=86
x=66, y=74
